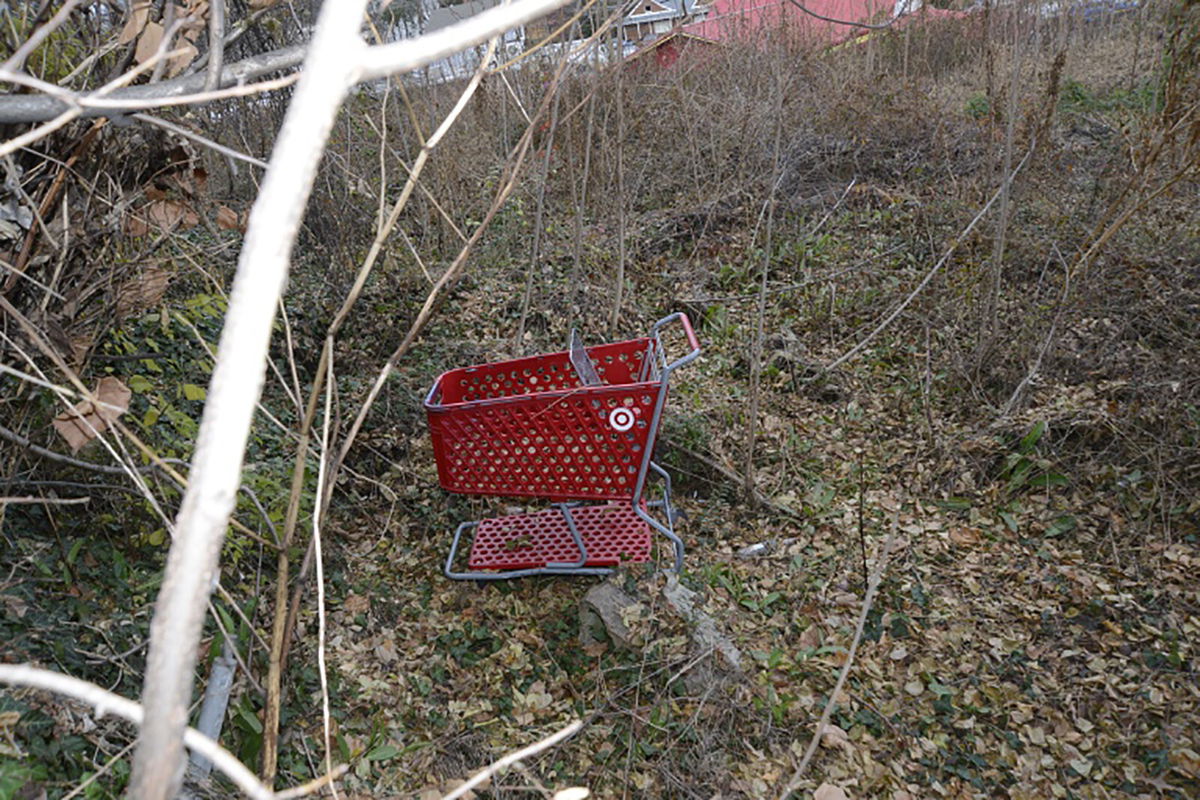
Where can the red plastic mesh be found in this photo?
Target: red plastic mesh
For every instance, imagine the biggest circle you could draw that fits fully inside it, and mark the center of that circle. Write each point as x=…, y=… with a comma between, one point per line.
x=612, y=534
x=526, y=428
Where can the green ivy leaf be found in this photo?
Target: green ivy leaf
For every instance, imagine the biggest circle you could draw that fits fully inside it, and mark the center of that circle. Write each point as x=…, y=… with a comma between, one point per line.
x=1062, y=525
x=382, y=753
x=249, y=720
x=193, y=392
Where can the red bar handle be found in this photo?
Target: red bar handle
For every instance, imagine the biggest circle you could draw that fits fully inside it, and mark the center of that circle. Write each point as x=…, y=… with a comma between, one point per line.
x=691, y=337
x=687, y=329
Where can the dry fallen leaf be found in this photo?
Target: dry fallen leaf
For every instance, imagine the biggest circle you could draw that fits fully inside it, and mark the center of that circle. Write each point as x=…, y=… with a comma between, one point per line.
x=965, y=537
x=139, y=15
x=810, y=638
x=16, y=606
x=1186, y=761
x=192, y=182
x=166, y=214
x=596, y=649
x=357, y=604
x=148, y=43
x=227, y=219
x=827, y=791
x=136, y=226
x=450, y=786
x=833, y=736
x=142, y=292
x=185, y=54
x=112, y=401
x=385, y=651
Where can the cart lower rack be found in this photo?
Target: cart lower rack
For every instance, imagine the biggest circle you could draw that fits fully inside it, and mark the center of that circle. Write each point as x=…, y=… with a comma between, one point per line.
x=568, y=427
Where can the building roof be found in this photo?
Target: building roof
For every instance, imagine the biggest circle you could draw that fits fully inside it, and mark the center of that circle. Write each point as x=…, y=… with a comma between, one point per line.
x=448, y=15
x=740, y=19
x=655, y=10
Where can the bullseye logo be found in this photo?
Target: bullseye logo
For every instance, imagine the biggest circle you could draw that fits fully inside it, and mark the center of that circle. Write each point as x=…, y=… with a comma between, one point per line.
x=621, y=419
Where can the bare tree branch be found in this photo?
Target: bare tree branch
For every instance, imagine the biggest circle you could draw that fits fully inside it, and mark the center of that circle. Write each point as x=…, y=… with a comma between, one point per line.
x=236, y=383
x=216, y=44
x=377, y=62
x=512, y=758
x=279, y=637
x=409, y=54
x=50, y=501
x=851, y=23
x=105, y=701
x=867, y=602
x=203, y=140
x=41, y=108
x=337, y=59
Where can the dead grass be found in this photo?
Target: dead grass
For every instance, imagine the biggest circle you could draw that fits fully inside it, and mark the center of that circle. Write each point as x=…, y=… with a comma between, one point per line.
x=1035, y=634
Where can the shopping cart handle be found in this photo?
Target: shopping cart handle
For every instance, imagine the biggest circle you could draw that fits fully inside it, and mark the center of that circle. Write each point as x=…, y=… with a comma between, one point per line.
x=691, y=337
x=435, y=394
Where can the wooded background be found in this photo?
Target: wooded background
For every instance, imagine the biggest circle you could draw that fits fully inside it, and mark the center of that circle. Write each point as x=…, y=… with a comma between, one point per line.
x=946, y=281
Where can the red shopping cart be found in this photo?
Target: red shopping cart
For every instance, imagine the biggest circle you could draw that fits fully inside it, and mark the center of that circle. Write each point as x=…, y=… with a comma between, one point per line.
x=569, y=427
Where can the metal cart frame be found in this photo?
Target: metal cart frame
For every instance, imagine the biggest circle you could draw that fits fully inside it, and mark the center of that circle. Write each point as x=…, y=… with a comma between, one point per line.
x=531, y=428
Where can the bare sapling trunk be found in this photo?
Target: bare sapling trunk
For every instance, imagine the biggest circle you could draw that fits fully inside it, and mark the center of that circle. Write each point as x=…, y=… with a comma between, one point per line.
x=535, y=254
x=989, y=332
x=237, y=380
x=580, y=202
x=279, y=636
x=619, y=288
x=768, y=245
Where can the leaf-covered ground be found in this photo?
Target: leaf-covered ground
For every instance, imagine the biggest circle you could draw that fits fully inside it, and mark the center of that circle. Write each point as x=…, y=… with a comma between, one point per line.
x=1035, y=632
x=1021, y=643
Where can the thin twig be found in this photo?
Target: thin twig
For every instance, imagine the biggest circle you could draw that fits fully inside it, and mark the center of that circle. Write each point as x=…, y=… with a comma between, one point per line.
x=280, y=631
x=954, y=243
x=9, y=268
x=17, y=60
x=313, y=786
x=1041, y=354
x=516, y=158
x=105, y=702
x=94, y=776
x=760, y=500
x=60, y=390
x=512, y=758
x=172, y=27
x=49, y=501
x=79, y=418
x=216, y=44
x=93, y=487
x=768, y=208
x=316, y=523
x=21, y=441
x=45, y=129
x=868, y=600
x=862, y=536
x=195, y=137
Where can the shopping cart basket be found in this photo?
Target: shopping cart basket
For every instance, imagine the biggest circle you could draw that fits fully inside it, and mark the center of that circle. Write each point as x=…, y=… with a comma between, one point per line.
x=567, y=428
